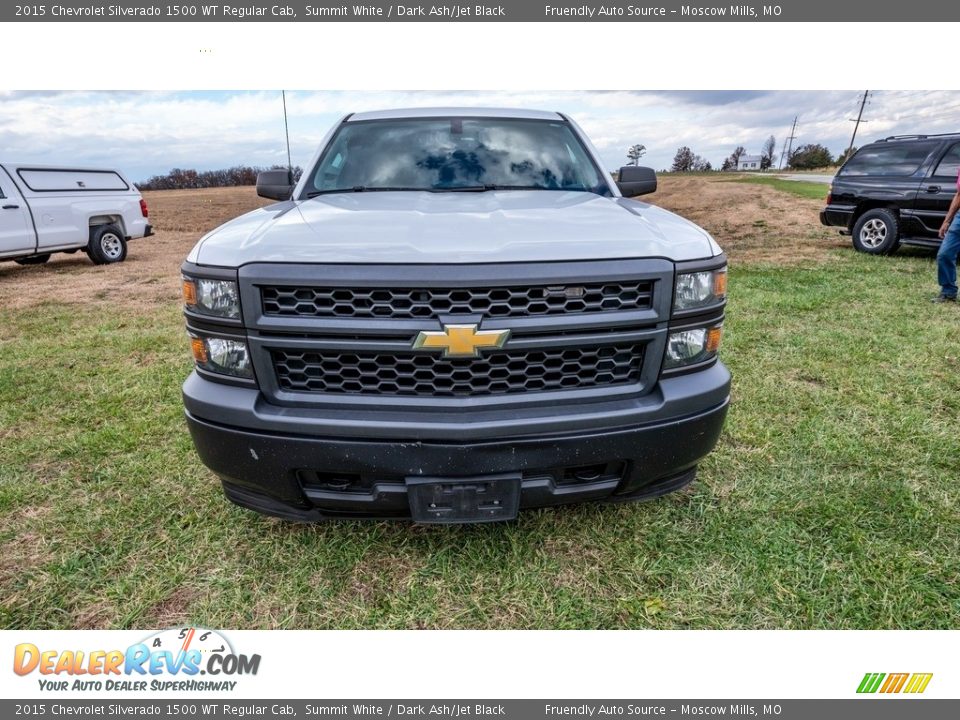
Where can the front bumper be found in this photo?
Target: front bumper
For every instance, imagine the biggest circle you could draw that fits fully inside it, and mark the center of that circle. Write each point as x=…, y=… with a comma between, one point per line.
x=295, y=463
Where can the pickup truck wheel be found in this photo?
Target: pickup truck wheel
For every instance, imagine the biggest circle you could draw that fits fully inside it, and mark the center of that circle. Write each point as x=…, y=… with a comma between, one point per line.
x=877, y=232
x=107, y=245
x=33, y=259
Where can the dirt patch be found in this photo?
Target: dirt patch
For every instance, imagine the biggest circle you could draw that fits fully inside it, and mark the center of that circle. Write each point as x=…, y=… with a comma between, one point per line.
x=96, y=616
x=578, y=564
x=27, y=551
x=172, y=610
x=379, y=574
x=46, y=470
x=752, y=223
x=28, y=515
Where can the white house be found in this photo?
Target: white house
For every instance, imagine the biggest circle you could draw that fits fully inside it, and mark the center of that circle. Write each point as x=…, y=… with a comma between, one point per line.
x=749, y=162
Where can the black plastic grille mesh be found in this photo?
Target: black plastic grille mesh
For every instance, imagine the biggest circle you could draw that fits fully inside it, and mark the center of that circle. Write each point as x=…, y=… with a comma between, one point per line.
x=406, y=303
x=432, y=375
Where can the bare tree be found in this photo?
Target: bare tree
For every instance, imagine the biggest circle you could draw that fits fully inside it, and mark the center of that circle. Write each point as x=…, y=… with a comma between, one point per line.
x=767, y=157
x=635, y=152
x=684, y=159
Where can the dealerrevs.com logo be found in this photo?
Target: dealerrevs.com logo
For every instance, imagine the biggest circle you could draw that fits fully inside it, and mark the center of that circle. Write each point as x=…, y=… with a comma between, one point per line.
x=172, y=659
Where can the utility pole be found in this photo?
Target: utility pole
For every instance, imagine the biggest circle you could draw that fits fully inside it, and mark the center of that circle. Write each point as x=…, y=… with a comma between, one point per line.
x=286, y=129
x=790, y=139
x=783, y=154
x=863, y=102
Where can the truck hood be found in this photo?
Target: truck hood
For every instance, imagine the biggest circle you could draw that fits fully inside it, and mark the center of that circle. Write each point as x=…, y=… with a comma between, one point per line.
x=453, y=227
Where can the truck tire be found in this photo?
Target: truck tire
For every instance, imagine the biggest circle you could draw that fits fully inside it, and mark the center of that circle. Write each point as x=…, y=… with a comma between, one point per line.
x=877, y=232
x=33, y=259
x=107, y=245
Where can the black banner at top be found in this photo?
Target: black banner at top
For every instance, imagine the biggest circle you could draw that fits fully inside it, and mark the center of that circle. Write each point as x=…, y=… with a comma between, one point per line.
x=506, y=11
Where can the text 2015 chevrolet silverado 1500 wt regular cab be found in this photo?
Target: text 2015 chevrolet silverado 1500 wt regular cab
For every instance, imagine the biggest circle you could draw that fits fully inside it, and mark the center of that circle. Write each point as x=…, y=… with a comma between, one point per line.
x=454, y=314
x=46, y=209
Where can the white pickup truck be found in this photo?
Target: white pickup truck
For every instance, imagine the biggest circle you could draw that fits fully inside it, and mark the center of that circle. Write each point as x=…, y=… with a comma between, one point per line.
x=454, y=314
x=46, y=209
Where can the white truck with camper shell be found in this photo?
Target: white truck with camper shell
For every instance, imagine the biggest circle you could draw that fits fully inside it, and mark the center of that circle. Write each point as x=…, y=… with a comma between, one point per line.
x=453, y=315
x=47, y=209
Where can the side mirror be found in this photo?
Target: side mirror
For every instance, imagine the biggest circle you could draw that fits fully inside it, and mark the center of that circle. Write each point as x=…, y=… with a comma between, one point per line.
x=634, y=180
x=275, y=184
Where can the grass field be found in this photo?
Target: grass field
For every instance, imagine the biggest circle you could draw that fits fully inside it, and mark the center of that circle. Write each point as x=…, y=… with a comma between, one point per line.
x=812, y=190
x=831, y=502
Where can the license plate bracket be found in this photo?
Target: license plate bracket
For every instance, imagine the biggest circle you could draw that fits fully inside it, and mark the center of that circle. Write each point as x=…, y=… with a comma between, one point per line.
x=479, y=499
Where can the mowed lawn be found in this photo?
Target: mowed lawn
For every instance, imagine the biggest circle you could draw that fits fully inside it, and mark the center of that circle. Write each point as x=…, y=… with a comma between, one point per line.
x=803, y=188
x=832, y=500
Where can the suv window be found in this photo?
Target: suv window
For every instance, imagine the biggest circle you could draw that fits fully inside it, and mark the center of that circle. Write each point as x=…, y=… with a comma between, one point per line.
x=950, y=163
x=889, y=159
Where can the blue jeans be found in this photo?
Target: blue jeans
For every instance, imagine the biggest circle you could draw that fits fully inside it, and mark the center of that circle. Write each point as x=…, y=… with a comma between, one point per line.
x=947, y=259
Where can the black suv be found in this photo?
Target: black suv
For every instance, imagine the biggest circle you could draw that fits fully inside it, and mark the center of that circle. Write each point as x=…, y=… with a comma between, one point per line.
x=895, y=191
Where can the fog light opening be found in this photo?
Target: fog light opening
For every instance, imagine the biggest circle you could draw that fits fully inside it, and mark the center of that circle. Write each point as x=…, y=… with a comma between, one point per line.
x=330, y=481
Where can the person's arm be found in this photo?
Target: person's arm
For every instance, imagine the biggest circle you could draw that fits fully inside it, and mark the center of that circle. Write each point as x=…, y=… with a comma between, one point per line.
x=951, y=214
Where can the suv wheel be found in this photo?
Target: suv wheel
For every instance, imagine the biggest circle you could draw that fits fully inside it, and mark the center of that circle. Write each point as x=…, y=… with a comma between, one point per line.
x=107, y=245
x=877, y=232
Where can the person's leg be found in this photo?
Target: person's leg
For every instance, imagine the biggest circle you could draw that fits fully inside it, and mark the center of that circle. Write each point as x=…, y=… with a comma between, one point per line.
x=947, y=260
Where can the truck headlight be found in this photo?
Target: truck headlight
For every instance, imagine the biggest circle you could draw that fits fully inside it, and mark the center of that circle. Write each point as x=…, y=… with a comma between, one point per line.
x=222, y=355
x=692, y=346
x=207, y=296
x=700, y=289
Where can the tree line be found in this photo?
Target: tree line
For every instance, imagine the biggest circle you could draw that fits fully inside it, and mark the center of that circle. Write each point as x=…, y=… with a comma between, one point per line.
x=183, y=179
x=805, y=157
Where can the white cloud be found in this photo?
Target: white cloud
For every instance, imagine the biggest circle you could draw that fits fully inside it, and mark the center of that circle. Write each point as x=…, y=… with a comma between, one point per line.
x=150, y=132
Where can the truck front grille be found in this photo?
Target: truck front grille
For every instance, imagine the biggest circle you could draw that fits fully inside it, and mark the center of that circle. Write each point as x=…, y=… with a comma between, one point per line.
x=345, y=336
x=431, y=375
x=419, y=303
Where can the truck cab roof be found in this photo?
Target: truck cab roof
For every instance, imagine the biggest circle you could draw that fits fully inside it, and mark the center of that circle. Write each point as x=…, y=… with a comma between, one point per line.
x=435, y=112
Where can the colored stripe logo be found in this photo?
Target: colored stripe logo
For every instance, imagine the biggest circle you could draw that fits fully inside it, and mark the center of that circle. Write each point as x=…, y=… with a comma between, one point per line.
x=913, y=683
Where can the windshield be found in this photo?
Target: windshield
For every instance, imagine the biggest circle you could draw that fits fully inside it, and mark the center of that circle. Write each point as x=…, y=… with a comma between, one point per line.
x=461, y=153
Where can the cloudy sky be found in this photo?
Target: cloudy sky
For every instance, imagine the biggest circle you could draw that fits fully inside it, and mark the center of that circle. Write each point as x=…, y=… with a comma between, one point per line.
x=150, y=133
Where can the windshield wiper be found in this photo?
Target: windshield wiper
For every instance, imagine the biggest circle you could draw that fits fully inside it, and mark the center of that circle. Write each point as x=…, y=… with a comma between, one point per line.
x=464, y=188
x=360, y=188
x=532, y=187
x=458, y=188
x=486, y=188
